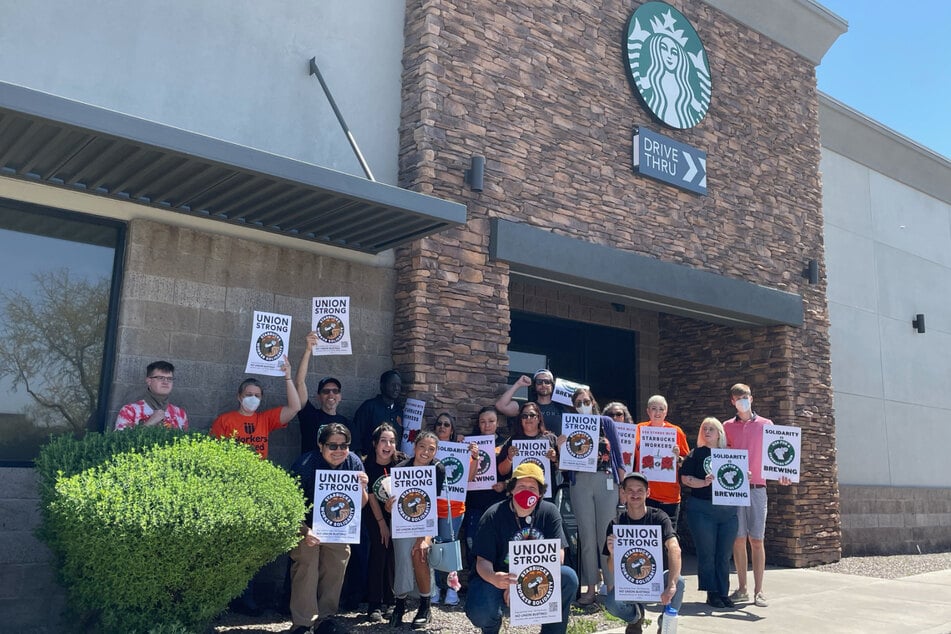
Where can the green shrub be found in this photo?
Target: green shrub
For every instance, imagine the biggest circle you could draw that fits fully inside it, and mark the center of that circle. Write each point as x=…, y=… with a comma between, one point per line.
x=170, y=533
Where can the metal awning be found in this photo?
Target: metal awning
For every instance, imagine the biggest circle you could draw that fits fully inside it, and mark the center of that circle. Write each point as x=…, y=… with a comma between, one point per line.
x=65, y=143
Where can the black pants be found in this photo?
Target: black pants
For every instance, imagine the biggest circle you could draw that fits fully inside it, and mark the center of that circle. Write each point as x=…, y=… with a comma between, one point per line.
x=380, y=568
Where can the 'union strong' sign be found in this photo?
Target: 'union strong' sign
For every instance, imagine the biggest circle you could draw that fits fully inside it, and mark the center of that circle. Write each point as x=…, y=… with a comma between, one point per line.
x=668, y=65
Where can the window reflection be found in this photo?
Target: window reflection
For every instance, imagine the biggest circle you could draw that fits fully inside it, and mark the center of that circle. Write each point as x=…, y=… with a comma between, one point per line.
x=54, y=312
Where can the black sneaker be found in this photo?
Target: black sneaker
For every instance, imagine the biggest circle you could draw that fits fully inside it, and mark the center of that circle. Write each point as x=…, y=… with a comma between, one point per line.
x=727, y=602
x=715, y=600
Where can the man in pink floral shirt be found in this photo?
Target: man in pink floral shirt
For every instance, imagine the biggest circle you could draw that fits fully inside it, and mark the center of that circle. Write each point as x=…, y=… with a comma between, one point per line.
x=154, y=408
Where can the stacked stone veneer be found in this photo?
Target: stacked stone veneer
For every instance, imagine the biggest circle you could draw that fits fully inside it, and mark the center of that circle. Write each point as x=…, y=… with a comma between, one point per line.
x=539, y=89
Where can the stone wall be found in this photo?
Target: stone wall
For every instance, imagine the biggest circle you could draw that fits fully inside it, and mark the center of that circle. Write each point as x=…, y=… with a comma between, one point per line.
x=540, y=91
x=879, y=520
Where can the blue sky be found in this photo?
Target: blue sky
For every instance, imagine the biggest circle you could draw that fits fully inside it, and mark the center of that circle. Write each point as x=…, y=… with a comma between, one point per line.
x=894, y=66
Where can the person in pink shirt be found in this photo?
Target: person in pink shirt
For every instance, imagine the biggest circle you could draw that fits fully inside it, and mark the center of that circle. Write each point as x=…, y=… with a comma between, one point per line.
x=154, y=408
x=745, y=431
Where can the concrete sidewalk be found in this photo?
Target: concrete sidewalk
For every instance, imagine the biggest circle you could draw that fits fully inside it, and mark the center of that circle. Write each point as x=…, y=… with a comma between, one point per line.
x=814, y=602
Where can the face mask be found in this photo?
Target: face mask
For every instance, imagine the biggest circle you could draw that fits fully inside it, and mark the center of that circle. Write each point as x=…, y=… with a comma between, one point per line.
x=250, y=403
x=526, y=499
x=743, y=405
x=585, y=409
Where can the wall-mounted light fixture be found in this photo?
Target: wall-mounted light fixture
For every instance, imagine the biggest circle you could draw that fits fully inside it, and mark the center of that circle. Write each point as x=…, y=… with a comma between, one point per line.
x=811, y=272
x=918, y=323
x=475, y=175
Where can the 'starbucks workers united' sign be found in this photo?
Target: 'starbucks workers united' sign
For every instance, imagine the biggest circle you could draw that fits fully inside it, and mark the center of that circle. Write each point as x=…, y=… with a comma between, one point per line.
x=668, y=65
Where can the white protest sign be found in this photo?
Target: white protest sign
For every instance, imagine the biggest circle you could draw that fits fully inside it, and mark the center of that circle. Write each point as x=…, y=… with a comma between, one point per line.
x=563, y=391
x=638, y=563
x=782, y=446
x=455, y=457
x=657, y=458
x=486, y=472
x=412, y=423
x=269, y=340
x=626, y=436
x=330, y=319
x=535, y=597
x=414, y=509
x=535, y=451
x=580, y=451
x=337, y=506
x=731, y=486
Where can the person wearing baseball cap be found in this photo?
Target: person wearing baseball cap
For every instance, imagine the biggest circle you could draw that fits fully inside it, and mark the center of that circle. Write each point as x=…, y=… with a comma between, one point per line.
x=543, y=383
x=524, y=514
x=313, y=417
x=634, y=491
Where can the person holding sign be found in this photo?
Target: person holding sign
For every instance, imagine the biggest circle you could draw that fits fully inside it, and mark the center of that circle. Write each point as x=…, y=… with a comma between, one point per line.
x=712, y=526
x=664, y=495
x=411, y=554
x=636, y=490
x=523, y=515
x=477, y=501
x=450, y=513
x=594, y=498
x=250, y=426
x=311, y=417
x=318, y=567
x=543, y=382
x=380, y=572
x=529, y=425
x=745, y=431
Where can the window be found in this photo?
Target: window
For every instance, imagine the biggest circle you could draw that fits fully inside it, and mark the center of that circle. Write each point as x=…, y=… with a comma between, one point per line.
x=58, y=299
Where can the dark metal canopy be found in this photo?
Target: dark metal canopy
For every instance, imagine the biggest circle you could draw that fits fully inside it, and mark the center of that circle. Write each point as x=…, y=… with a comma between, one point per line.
x=57, y=141
x=613, y=274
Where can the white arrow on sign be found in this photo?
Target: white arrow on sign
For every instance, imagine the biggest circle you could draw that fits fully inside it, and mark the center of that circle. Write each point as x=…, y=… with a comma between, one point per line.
x=692, y=169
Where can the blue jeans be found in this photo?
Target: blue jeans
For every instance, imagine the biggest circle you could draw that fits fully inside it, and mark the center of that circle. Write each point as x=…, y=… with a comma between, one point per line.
x=485, y=602
x=713, y=528
x=446, y=536
x=631, y=612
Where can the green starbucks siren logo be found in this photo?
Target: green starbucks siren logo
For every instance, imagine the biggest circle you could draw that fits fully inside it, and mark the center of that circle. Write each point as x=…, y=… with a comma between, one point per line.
x=668, y=65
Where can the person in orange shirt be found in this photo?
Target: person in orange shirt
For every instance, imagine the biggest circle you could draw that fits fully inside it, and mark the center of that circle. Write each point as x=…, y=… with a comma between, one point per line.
x=250, y=426
x=663, y=495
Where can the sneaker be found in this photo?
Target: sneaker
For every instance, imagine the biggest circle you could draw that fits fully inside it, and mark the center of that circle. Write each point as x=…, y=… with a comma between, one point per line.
x=376, y=615
x=727, y=602
x=740, y=596
x=760, y=600
x=714, y=600
x=452, y=597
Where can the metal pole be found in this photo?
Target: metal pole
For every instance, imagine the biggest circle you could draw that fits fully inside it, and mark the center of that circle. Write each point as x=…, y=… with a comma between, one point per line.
x=343, y=124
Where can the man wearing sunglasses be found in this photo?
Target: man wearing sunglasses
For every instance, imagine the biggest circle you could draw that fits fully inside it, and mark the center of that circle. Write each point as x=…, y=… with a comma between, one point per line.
x=313, y=417
x=153, y=408
x=544, y=383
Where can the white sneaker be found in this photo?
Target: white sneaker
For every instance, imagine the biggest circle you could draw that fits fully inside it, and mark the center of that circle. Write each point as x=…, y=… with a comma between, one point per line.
x=760, y=600
x=452, y=597
x=436, y=598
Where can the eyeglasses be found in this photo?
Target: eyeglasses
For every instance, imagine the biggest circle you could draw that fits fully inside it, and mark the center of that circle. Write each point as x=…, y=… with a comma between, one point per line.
x=616, y=414
x=163, y=379
x=443, y=423
x=330, y=390
x=335, y=446
x=527, y=416
x=542, y=382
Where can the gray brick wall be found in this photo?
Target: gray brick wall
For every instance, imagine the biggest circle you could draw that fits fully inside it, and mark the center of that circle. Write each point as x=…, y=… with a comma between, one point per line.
x=878, y=520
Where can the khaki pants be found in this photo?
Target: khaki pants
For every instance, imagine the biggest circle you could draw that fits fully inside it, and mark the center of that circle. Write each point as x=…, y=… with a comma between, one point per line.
x=316, y=578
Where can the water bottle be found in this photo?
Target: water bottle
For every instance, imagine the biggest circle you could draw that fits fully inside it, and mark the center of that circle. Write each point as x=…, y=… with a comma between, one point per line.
x=669, y=623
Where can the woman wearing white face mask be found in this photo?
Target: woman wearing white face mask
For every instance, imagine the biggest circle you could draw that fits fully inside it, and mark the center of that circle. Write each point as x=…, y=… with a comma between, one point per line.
x=250, y=426
x=594, y=501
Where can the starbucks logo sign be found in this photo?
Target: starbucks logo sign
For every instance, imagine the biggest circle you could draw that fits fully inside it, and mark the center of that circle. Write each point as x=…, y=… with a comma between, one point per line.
x=668, y=65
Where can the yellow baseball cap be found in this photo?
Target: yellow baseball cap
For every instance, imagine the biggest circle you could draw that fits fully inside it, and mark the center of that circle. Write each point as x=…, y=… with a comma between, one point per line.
x=529, y=470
